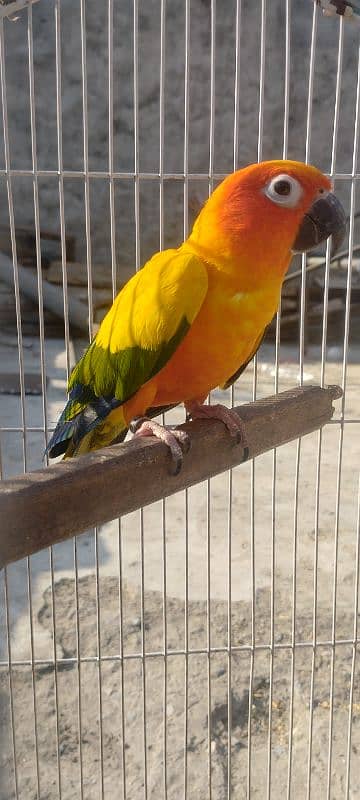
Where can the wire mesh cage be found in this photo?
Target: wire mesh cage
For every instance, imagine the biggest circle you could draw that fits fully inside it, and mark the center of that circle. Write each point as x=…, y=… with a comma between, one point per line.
x=206, y=645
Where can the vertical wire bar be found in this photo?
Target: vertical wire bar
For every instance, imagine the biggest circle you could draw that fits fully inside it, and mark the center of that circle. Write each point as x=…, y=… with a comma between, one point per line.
x=165, y=677
x=208, y=627
x=78, y=665
x=67, y=348
x=111, y=143
x=301, y=373
x=293, y=615
x=13, y=242
x=332, y=172
x=355, y=639
x=320, y=434
x=229, y=631
x=11, y=685
x=161, y=246
x=262, y=79
x=37, y=220
x=272, y=599
x=278, y=322
x=91, y=314
x=161, y=122
x=186, y=646
x=136, y=134
x=260, y=155
x=137, y=260
x=208, y=483
x=272, y=595
x=99, y=662
x=56, y=686
x=341, y=433
x=86, y=162
x=287, y=77
x=33, y=678
x=186, y=498
x=307, y=158
x=114, y=290
x=301, y=367
x=314, y=625
x=230, y=481
x=212, y=93
x=254, y=391
x=143, y=650
x=311, y=84
x=61, y=180
x=42, y=359
x=274, y=463
x=237, y=83
x=253, y=605
x=21, y=376
x=121, y=653
x=253, y=612
x=186, y=118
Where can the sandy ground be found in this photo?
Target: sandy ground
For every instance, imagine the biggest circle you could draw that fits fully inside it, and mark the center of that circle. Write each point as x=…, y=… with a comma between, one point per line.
x=122, y=732
x=205, y=731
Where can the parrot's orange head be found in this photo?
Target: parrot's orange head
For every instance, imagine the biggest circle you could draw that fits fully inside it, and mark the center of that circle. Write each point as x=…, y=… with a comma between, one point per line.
x=260, y=215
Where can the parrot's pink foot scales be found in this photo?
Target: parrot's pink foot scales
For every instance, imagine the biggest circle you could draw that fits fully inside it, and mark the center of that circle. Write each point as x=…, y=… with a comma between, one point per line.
x=177, y=441
x=228, y=416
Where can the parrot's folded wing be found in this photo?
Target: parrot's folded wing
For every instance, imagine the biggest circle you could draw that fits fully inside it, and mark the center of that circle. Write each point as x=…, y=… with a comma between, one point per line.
x=146, y=323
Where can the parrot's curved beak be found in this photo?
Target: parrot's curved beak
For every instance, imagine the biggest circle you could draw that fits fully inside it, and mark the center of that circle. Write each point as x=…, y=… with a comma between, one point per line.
x=325, y=218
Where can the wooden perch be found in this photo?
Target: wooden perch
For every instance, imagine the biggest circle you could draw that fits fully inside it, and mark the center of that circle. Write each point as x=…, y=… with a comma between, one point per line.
x=46, y=506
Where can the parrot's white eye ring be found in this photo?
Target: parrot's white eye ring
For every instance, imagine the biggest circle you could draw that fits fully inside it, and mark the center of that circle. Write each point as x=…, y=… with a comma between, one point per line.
x=284, y=190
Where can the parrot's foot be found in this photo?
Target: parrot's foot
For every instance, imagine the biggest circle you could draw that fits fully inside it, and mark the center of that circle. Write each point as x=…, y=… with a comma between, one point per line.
x=228, y=416
x=177, y=441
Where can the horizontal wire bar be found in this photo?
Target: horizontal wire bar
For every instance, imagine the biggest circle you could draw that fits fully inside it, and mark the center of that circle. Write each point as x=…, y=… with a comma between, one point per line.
x=196, y=651
x=172, y=176
x=343, y=421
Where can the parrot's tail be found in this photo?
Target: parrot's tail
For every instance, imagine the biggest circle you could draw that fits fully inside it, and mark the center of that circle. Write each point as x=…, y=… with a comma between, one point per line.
x=80, y=430
x=85, y=427
x=60, y=439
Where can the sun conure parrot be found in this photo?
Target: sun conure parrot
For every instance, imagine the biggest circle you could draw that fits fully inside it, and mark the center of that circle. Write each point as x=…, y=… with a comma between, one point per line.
x=192, y=318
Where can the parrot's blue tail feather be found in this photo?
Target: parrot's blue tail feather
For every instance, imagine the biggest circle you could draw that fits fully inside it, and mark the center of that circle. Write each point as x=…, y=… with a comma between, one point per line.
x=60, y=439
x=82, y=413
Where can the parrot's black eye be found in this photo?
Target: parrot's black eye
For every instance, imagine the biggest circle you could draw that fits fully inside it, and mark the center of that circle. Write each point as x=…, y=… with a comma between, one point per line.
x=282, y=187
x=284, y=190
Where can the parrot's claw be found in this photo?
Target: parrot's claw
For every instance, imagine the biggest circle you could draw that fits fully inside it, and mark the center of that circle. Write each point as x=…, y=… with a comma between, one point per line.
x=177, y=441
x=228, y=416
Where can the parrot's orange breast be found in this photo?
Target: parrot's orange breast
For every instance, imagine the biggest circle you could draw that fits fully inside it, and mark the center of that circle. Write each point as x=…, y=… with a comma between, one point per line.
x=221, y=338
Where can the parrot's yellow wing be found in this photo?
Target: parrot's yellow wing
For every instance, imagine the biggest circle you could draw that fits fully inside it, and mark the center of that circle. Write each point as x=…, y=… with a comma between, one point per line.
x=146, y=323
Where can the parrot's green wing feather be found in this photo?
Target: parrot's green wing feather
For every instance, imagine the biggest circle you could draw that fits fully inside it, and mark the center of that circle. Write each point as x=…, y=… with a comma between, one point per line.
x=146, y=323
